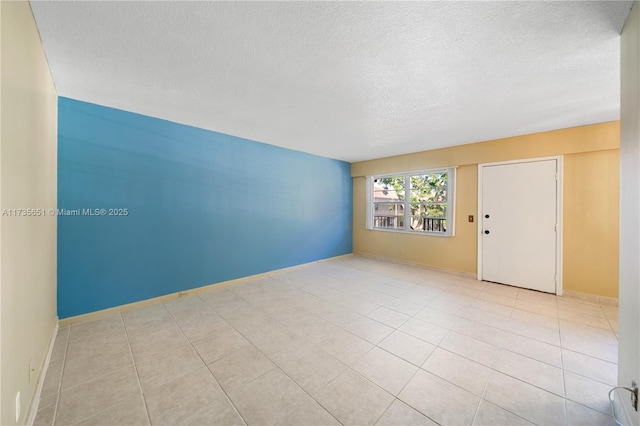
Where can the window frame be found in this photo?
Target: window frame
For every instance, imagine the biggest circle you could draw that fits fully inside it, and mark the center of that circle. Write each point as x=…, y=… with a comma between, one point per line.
x=450, y=205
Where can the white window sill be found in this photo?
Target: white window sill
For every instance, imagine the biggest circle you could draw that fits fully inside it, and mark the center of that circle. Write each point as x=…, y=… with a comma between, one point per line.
x=404, y=231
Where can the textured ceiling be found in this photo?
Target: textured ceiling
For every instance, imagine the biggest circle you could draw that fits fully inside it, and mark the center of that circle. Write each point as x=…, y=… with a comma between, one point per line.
x=346, y=80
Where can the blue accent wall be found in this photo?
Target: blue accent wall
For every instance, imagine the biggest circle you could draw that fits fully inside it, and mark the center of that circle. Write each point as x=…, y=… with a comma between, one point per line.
x=203, y=207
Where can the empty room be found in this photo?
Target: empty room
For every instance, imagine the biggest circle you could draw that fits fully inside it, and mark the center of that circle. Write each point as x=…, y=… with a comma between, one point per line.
x=319, y=213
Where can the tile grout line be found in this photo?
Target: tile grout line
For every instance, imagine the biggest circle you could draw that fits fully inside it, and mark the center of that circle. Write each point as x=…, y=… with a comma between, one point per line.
x=135, y=367
x=566, y=399
x=442, y=378
x=507, y=349
x=407, y=384
x=486, y=385
x=608, y=321
x=564, y=382
x=503, y=408
x=494, y=370
x=93, y=379
x=101, y=409
x=202, y=359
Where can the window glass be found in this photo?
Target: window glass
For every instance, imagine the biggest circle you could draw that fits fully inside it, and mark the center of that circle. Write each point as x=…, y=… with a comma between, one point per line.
x=415, y=202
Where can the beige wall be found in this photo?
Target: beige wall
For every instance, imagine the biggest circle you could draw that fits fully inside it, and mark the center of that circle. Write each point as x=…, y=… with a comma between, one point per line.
x=629, y=318
x=590, y=155
x=591, y=217
x=28, y=152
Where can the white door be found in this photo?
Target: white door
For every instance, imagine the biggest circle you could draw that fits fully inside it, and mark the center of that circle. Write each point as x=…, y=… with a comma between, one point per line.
x=518, y=224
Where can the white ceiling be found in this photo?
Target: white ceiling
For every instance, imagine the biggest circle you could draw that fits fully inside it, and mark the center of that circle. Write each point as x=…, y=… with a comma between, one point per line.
x=346, y=80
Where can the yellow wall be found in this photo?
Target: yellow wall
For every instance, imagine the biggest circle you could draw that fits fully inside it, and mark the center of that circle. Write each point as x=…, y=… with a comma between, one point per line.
x=591, y=216
x=590, y=234
x=28, y=153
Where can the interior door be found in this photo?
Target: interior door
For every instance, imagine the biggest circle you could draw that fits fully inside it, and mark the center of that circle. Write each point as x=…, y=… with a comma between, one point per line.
x=519, y=224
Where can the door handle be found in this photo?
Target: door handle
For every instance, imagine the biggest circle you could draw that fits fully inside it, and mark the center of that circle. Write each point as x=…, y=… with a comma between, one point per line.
x=486, y=232
x=486, y=216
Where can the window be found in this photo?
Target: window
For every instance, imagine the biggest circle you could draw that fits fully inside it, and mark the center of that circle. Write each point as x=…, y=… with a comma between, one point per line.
x=420, y=202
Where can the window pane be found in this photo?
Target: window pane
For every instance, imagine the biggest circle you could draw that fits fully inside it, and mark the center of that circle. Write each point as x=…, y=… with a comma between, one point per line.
x=388, y=201
x=429, y=188
x=389, y=189
x=416, y=202
x=428, y=217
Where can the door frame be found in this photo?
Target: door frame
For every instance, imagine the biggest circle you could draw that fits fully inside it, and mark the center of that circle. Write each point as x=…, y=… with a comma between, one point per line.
x=559, y=179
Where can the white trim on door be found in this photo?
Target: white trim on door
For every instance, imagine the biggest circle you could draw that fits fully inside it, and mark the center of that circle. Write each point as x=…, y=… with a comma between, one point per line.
x=559, y=178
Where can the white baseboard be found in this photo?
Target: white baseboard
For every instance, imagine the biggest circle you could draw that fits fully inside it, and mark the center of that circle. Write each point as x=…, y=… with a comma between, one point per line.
x=35, y=401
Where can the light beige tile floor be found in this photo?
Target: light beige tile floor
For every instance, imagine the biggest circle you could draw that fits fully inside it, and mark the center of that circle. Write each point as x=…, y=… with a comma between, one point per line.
x=348, y=341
